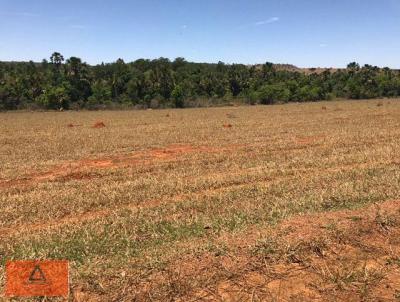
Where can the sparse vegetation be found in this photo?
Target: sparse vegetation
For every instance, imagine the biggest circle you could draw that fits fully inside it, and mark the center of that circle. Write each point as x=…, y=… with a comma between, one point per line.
x=289, y=203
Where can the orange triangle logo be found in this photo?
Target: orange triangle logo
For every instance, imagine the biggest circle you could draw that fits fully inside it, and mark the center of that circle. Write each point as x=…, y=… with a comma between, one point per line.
x=37, y=275
x=37, y=278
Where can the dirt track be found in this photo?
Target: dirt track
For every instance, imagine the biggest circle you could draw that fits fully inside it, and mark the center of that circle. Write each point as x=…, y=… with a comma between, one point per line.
x=77, y=170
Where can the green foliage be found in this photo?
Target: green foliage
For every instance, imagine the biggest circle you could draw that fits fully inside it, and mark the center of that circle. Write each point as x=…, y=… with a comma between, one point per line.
x=71, y=83
x=272, y=93
x=309, y=93
x=178, y=96
x=55, y=97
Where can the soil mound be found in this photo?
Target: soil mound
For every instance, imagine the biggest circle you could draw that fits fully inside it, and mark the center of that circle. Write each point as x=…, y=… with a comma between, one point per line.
x=99, y=125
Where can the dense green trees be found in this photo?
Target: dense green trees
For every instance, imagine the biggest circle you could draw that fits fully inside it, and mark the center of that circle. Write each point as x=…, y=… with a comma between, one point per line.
x=73, y=84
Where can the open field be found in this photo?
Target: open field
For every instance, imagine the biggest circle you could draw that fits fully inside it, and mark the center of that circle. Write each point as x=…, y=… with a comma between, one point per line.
x=296, y=202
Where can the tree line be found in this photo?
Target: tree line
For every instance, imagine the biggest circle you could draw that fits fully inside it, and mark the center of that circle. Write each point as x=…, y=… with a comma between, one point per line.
x=72, y=84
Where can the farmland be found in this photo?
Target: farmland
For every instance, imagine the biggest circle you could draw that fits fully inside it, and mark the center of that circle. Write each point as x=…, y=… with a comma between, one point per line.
x=294, y=202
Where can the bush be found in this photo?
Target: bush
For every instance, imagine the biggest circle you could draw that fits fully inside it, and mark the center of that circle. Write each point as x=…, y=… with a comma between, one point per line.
x=54, y=98
x=271, y=94
x=178, y=96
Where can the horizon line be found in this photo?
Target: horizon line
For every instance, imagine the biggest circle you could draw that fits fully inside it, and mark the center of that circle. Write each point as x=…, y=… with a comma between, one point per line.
x=201, y=62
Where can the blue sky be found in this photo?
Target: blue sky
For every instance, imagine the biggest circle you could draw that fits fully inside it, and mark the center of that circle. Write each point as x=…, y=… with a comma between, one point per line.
x=306, y=33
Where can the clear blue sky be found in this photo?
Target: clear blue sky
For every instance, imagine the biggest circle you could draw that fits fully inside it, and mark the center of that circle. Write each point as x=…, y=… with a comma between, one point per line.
x=301, y=32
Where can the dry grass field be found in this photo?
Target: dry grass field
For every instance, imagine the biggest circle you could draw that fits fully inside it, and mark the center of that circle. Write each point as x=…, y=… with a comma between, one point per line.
x=296, y=202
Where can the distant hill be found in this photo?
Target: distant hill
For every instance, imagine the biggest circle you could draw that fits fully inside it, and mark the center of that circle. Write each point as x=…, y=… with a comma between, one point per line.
x=294, y=68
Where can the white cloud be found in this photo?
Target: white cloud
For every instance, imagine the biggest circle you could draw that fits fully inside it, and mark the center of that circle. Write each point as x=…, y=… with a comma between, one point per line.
x=184, y=26
x=268, y=21
x=323, y=45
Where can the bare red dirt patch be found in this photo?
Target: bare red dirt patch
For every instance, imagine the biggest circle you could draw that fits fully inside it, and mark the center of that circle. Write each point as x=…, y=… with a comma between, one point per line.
x=70, y=125
x=99, y=125
x=77, y=170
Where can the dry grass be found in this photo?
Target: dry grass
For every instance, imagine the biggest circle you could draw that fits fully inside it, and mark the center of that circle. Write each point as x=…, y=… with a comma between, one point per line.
x=287, y=203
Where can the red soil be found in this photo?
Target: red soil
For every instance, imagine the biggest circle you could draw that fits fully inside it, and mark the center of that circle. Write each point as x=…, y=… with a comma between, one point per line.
x=77, y=170
x=98, y=125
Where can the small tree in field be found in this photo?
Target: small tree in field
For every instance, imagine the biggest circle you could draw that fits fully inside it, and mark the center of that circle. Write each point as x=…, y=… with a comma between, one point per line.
x=178, y=96
x=55, y=98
